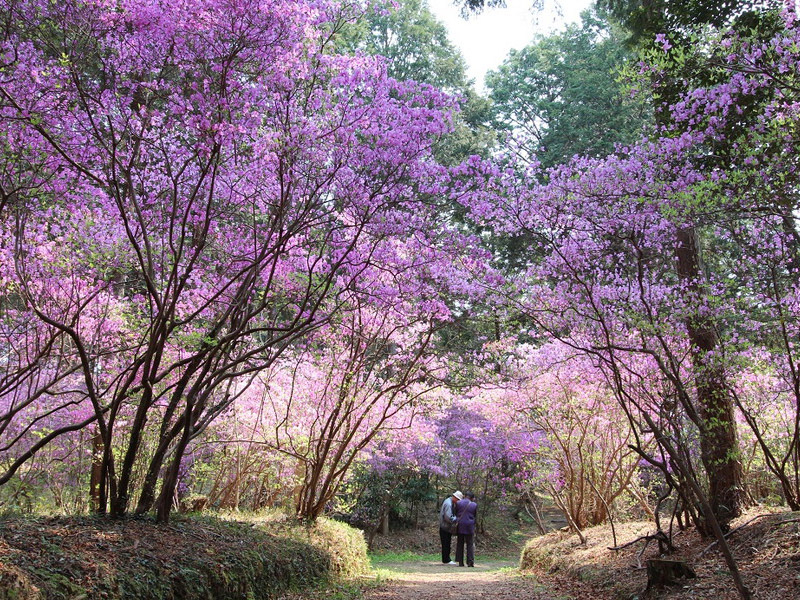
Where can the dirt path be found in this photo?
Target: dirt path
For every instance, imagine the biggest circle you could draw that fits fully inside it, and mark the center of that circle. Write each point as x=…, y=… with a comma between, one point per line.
x=427, y=580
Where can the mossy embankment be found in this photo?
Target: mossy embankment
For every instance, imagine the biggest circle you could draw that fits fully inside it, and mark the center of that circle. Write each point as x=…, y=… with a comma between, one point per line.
x=191, y=558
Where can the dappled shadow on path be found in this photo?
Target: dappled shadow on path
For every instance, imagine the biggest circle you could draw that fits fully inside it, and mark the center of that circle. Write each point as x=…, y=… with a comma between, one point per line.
x=493, y=580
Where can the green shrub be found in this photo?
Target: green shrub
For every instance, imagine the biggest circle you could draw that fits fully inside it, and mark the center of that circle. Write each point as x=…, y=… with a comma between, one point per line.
x=345, y=545
x=192, y=558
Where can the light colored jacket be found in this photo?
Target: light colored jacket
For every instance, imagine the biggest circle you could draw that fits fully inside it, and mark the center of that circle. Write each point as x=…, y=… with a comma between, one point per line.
x=446, y=515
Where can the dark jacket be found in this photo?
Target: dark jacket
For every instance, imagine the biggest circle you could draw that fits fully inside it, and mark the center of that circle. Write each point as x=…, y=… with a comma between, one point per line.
x=466, y=511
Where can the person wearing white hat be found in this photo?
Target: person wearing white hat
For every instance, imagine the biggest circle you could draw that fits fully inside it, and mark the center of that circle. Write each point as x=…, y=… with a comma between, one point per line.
x=447, y=524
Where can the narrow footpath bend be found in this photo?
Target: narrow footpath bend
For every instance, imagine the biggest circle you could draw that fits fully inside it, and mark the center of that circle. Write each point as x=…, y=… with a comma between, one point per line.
x=490, y=580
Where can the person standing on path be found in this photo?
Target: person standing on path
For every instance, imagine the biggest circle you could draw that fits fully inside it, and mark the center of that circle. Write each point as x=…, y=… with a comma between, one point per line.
x=447, y=521
x=466, y=513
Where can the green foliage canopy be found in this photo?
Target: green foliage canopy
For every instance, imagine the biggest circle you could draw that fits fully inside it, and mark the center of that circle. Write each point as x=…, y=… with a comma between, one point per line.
x=561, y=96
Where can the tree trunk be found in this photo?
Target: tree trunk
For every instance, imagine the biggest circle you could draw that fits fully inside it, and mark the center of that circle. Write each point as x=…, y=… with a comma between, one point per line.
x=166, y=497
x=719, y=446
x=148, y=495
x=96, y=475
x=382, y=522
x=385, y=524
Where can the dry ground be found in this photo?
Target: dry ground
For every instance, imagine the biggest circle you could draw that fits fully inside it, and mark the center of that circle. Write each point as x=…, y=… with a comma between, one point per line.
x=492, y=579
x=766, y=545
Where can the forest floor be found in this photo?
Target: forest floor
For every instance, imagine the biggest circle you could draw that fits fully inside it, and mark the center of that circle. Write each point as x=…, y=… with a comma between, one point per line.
x=407, y=566
x=766, y=545
x=493, y=578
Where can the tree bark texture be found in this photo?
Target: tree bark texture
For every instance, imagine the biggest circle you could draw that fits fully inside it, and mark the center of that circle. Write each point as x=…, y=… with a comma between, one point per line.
x=719, y=445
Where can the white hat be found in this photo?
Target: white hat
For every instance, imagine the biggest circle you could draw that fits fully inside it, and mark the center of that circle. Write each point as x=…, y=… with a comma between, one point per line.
x=459, y=495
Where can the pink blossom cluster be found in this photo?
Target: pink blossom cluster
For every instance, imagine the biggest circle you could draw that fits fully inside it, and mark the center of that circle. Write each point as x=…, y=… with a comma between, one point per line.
x=192, y=189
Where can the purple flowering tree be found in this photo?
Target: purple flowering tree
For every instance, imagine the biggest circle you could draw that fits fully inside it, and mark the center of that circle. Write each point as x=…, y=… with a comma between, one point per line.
x=585, y=461
x=672, y=262
x=189, y=187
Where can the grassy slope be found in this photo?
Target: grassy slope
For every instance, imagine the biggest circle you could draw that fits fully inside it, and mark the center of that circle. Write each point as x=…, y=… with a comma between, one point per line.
x=190, y=558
